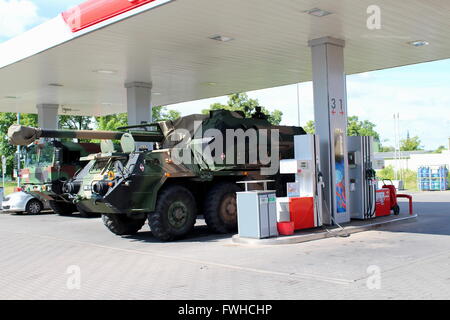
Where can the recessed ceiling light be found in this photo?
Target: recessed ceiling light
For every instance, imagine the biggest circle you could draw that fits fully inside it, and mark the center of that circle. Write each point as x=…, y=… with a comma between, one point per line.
x=211, y=84
x=106, y=103
x=104, y=71
x=55, y=85
x=318, y=12
x=419, y=43
x=221, y=38
x=156, y=93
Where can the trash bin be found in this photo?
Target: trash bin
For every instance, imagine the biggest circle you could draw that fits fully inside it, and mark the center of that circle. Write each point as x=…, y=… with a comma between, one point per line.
x=257, y=214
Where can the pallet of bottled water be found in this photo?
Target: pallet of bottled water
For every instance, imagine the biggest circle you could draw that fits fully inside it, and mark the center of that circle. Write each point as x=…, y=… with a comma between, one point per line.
x=432, y=178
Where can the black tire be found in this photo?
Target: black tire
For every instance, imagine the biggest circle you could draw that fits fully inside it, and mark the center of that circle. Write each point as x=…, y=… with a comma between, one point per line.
x=62, y=208
x=34, y=207
x=122, y=225
x=175, y=214
x=220, y=208
x=396, y=209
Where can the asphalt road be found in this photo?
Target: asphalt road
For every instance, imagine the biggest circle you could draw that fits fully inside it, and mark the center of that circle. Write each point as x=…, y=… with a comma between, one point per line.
x=53, y=257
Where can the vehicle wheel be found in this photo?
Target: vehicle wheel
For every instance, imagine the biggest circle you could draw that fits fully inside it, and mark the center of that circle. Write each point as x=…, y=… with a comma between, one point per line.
x=34, y=206
x=122, y=225
x=396, y=209
x=62, y=208
x=175, y=214
x=220, y=208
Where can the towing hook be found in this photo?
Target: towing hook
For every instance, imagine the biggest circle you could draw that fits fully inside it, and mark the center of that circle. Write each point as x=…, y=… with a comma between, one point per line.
x=97, y=199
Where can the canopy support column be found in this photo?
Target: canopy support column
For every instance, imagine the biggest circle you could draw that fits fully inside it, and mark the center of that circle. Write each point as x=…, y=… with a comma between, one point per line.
x=139, y=102
x=48, y=116
x=139, y=106
x=330, y=112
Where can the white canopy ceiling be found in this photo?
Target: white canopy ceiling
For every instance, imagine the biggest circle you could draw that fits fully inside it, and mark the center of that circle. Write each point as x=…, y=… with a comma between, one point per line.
x=170, y=45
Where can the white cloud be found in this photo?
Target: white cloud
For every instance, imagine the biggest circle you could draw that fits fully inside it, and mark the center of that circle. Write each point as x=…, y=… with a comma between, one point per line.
x=16, y=16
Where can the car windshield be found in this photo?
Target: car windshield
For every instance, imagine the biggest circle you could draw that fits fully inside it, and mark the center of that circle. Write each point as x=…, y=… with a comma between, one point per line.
x=39, y=155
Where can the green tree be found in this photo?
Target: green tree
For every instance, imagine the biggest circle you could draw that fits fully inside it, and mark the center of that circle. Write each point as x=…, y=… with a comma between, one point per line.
x=164, y=114
x=111, y=123
x=387, y=149
x=75, y=122
x=67, y=122
x=440, y=149
x=410, y=144
x=241, y=102
x=356, y=127
x=6, y=120
x=310, y=127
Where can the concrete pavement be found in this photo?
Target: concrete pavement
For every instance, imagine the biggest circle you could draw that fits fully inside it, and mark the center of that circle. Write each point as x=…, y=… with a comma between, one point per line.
x=53, y=257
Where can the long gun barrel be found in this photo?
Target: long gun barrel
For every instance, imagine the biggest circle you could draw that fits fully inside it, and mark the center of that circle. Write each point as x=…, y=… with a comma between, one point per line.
x=22, y=135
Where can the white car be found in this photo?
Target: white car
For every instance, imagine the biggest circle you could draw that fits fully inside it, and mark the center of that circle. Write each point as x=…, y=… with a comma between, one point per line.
x=21, y=202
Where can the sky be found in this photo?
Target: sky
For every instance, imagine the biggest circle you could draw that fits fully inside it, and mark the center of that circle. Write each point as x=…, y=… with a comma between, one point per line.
x=420, y=94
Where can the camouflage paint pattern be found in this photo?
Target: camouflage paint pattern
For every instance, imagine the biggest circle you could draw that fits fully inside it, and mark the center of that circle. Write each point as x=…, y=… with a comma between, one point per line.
x=129, y=183
x=44, y=178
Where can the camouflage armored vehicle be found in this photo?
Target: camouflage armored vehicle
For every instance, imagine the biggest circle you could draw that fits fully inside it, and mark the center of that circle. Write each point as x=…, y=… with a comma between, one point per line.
x=183, y=176
x=49, y=164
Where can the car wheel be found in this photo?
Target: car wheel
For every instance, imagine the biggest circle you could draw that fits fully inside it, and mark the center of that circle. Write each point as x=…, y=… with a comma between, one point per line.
x=34, y=207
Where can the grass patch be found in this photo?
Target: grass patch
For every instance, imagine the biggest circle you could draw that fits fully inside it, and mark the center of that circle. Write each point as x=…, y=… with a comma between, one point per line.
x=410, y=177
x=9, y=187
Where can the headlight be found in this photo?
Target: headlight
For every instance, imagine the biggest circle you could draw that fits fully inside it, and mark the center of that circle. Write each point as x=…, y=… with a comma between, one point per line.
x=72, y=187
x=101, y=187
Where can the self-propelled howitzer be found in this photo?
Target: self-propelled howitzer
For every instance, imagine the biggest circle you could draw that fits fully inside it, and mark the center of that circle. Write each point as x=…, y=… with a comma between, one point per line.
x=193, y=171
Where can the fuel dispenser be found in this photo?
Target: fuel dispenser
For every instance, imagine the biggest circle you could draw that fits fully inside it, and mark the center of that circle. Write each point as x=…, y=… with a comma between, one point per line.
x=362, y=176
x=305, y=195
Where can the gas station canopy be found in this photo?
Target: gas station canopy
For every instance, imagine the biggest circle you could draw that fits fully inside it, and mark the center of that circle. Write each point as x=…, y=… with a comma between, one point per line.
x=195, y=49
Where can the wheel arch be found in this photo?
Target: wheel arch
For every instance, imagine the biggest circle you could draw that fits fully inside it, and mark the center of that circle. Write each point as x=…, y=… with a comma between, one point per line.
x=34, y=199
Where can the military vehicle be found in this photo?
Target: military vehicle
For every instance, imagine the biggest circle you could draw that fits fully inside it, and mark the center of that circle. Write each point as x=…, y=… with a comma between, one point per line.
x=133, y=186
x=48, y=164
